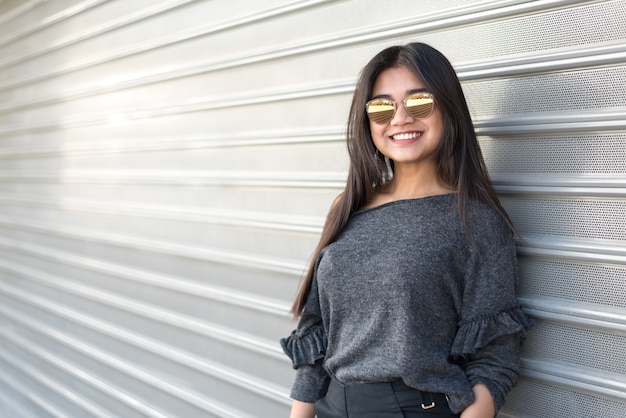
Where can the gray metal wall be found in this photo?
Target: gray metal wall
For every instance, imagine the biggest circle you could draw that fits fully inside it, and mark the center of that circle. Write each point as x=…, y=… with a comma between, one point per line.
x=165, y=167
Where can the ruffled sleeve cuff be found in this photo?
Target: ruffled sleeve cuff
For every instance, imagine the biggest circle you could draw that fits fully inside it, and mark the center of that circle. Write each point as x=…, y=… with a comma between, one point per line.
x=475, y=334
x=311, y=383
x=305, y=350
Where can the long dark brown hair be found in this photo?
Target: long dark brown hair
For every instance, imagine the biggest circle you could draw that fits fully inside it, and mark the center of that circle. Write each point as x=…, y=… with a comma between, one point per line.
x=460, y=164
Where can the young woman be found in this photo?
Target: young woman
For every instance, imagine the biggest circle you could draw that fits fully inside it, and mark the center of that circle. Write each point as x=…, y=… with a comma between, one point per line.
x=409, y=307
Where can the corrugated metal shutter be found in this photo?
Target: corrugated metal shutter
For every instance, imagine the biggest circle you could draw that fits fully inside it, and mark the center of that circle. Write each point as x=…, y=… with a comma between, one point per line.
x=165, y=167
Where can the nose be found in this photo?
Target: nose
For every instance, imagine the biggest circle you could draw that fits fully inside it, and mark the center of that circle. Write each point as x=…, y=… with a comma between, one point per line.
x=401, y=116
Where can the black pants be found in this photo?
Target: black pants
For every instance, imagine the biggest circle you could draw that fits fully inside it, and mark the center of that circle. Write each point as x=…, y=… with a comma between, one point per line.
x=380, y=400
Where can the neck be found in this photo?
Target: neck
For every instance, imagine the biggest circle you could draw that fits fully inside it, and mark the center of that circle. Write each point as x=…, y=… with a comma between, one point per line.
x=410, y=181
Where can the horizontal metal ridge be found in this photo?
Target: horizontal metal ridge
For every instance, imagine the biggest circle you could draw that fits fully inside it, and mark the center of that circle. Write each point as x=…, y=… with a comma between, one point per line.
x=547, y=61
x=599, y=320
x=607, y=186
x=558, y=180
x=190, y=106
x=16, y=407
x=94, y=31
x=160, y=247
x=273, y=221
x=176, y=284
x=553, y=122
x=155, y=347
x=583, y=250
x=80, y=376
x=588, y=251
x=48, y=21
x=548, y=122
x=578, y=378
x=610, y=186
x=128, y=51
x=436, y=21
x=19, y=10
x=286, y=179
x=147, y=344
x=596, y=317
x=170, y=39
x=177, y=143
x=157, y=314
x=95, y=353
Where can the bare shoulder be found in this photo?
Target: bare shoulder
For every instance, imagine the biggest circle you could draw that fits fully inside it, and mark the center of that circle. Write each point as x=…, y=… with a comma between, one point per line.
x=336, y=201
x=378, y=199
x=381, y=196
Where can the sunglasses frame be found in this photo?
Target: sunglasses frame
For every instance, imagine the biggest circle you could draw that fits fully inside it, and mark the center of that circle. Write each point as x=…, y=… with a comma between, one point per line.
x=424, y=95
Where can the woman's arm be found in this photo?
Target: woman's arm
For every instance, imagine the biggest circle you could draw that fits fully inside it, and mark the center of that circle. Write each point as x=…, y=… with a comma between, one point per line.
x=302, y=410
x=483, y=406
x=492, y=323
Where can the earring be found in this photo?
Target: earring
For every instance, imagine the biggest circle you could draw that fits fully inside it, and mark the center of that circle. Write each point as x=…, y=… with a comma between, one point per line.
x=389, y=173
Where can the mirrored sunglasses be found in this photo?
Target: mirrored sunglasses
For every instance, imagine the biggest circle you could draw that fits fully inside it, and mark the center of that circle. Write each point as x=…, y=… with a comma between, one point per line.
x=418, y=105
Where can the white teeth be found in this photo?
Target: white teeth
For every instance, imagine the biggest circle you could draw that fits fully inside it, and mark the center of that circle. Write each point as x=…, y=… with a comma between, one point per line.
x=404, y=137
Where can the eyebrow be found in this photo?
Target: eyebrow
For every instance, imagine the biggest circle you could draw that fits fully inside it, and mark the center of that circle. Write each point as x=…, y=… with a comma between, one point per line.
x=408, y=93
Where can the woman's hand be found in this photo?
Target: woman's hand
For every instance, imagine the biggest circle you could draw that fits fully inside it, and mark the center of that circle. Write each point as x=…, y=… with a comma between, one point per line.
x=302, y=410
x=483, y=405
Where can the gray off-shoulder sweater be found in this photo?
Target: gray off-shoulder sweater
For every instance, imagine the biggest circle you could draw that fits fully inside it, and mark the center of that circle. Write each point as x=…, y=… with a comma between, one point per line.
x=404, y=294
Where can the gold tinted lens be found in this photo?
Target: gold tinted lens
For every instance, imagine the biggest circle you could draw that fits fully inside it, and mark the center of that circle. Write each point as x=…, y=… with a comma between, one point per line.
x=419, y=105
x=380, y=110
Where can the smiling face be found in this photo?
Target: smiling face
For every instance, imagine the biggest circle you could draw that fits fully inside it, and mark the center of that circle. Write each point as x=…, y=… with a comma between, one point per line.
x=406, y=140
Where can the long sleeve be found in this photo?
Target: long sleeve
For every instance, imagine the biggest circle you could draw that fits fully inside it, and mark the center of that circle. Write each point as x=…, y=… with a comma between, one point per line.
x=492, y=323
x=306, y=347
